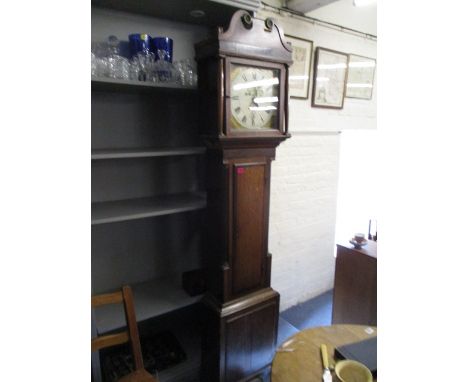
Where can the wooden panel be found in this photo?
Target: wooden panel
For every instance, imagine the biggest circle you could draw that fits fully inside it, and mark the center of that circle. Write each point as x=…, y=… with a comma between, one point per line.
x=250, y=341
x=249, y=222
x=355, y=290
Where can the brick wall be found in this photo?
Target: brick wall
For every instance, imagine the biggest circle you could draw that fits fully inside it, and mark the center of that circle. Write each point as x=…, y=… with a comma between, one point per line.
x=304, y=184
x=302, y=216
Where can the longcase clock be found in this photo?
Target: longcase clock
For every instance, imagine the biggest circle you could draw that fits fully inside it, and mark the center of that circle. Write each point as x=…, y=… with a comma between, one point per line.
x=243, y=83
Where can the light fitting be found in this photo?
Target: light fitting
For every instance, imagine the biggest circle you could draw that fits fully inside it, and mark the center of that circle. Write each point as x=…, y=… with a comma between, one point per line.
x=197, y=13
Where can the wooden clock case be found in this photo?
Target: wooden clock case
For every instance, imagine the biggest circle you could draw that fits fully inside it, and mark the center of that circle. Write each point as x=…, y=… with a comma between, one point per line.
x=241, y=307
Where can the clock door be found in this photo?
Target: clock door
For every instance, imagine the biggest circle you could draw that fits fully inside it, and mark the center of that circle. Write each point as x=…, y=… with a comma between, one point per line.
x=250, y=189
x=254, y=98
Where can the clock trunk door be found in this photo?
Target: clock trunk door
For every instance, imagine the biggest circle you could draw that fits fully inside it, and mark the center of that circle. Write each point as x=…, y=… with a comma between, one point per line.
x=250, y=222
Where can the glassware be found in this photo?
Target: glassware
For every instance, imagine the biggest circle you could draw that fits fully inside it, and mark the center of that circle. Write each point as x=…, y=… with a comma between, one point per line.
x=163, y=44
x=139, y=42
x=93, y=64
x=102, y=67
x=187, y=72
x=163, y=70
x=118, y=66
x=144, y=62
x=134, y=70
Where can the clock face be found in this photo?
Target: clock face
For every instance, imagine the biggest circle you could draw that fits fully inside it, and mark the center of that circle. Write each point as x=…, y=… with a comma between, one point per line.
x=254, y=97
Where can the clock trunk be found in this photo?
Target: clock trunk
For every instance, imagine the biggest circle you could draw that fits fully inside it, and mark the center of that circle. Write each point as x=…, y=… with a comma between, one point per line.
x=241, y=308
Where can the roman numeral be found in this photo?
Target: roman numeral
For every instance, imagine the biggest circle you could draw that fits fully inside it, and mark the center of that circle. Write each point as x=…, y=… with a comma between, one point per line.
x=244, y=120
x=244, y=77
x=237, y=109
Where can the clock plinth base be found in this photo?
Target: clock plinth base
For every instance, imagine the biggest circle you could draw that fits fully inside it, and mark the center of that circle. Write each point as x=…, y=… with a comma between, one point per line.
x=240, y=336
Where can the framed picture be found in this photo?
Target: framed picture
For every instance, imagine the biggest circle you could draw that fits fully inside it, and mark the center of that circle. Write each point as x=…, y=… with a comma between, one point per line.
x=330, y=71
x=299, y=71
x=360, y=77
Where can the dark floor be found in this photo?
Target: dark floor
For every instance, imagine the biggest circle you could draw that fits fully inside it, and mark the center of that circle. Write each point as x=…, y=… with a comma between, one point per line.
x=314, y=312
x=311, y=313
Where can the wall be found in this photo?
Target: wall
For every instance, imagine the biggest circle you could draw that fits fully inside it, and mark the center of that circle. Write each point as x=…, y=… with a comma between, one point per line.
x=304, y=185
x=344, y=13
x=107, y=22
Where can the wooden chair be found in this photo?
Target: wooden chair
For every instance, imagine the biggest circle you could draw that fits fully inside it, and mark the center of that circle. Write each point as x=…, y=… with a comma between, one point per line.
x=131, y=335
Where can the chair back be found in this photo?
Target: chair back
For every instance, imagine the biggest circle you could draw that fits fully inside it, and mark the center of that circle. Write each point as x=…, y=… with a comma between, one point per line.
x=131, y=335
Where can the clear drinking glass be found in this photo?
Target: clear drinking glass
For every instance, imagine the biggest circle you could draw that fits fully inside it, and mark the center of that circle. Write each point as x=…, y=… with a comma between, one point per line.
x=186, y=72
x=144, y=61
x=162, y=68
x=118, y=66
x=93, y=64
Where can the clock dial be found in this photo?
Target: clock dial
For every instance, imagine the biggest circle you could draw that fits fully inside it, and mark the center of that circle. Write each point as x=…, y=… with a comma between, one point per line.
x=254, y=97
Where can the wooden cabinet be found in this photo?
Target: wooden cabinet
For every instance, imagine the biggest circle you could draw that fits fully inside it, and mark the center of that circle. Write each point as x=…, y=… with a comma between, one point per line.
x=355, y=290
x=242, y=336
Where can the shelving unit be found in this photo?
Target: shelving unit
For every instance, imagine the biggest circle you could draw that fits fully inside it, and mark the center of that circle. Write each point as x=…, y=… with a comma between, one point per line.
x=147, y=207
x=216, y=12
x=152, y=299
x=144, y=152
x=130, y=209
x=116, y=85
x=148, y=179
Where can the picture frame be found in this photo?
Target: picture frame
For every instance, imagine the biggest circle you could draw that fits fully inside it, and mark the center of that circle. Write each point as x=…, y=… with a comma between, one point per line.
x=330, y=75
x=299, y=71
x=360, y=81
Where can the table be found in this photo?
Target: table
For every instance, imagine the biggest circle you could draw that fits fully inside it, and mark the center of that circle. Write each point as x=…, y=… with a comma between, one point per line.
x=298, y=358
x=355, y=289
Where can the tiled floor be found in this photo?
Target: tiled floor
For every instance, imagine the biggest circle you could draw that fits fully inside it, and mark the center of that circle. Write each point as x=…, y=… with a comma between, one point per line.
x=314, y=312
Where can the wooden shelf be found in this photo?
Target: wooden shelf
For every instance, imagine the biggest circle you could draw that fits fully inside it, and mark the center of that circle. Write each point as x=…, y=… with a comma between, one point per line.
x=144, y=152
x=217, y=12
x=130, y=209
x=109, y=84
x=153, y=298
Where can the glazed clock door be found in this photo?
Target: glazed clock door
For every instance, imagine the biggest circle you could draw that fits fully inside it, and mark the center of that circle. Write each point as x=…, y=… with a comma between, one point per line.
x=254, y=98
x=250, y=188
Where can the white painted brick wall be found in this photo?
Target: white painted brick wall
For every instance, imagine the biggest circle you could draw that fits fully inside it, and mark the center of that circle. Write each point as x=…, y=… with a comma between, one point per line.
x=302, y=216
x=304, y=180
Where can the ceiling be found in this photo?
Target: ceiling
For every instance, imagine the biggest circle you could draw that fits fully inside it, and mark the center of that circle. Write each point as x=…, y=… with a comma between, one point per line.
x=340, y=12
x=305, y=6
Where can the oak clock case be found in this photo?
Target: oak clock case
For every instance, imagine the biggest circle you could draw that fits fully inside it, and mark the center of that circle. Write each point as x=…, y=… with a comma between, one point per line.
x=243, y=82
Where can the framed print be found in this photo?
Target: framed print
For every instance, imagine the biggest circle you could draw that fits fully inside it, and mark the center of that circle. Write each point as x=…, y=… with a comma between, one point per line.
x=360, y=77
x=330, y=72
x=299, y=71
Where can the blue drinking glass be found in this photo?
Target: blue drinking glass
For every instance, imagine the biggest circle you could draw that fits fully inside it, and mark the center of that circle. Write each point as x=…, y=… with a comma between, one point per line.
x=162, y=44
x=139, y=42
